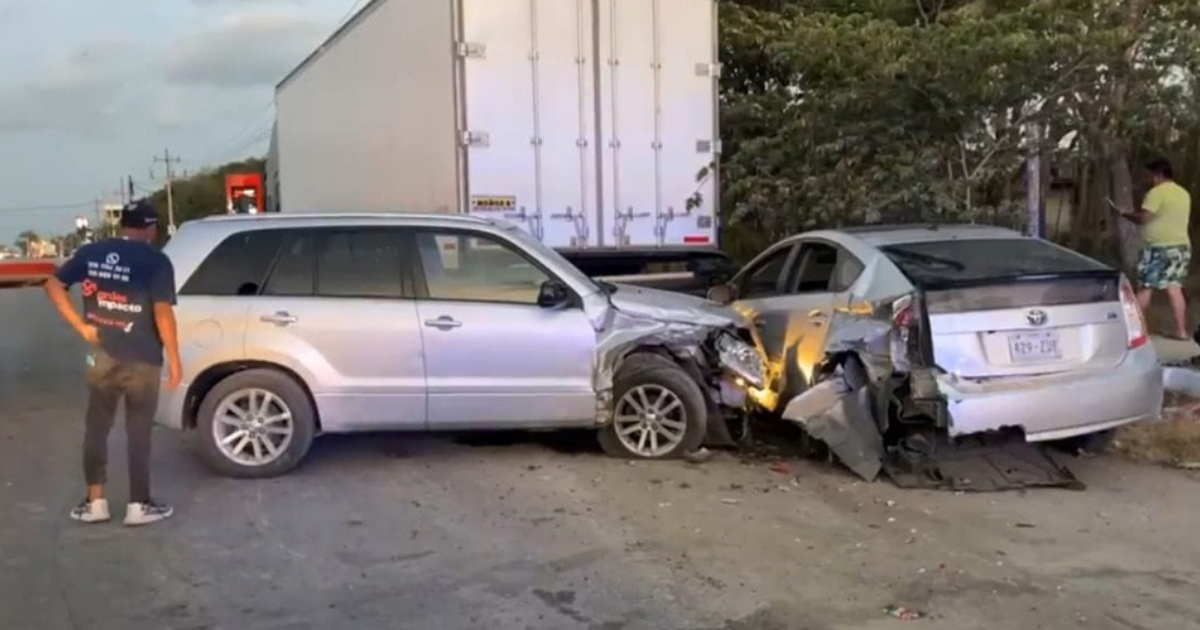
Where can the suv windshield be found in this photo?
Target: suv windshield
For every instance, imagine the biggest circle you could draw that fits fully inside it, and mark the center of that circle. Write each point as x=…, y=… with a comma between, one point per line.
x=963, y=260
x=564, y=266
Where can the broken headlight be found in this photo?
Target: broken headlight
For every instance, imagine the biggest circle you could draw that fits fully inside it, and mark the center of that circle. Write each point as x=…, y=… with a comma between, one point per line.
x=740, y=358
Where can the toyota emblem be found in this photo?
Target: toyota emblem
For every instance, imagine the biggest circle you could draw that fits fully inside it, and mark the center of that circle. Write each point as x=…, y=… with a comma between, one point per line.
x=1036, y=317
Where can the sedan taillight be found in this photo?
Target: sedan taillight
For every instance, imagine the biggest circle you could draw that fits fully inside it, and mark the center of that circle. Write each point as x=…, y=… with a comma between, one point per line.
x=1135, y=321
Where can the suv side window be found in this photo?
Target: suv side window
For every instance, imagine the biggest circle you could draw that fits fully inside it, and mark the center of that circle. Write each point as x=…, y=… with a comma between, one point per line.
x=471, y=267
x=825, y=268
x=295, y=269
x=363, y=263
x=762, y=280
x=237, y=266
x=345, y=263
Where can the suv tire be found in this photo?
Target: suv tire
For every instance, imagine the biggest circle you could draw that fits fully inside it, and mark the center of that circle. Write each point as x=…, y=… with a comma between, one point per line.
x=654, y=397
x=276, y=395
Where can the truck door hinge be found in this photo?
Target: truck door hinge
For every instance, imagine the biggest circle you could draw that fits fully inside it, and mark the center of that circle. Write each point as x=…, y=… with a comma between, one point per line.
x=708, y=70
x=474, y=139
x=708, y=146
x=471, y=50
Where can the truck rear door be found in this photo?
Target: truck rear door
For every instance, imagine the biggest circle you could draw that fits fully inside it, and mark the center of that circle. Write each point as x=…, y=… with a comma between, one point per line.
x=527, y=84
x=589, y=123
x=658, y=121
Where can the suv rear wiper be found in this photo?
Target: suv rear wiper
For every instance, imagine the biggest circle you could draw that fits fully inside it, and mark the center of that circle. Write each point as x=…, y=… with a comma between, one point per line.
x=927, y=258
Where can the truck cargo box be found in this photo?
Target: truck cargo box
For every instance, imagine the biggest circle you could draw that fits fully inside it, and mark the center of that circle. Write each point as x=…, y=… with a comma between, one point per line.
x=590, y=123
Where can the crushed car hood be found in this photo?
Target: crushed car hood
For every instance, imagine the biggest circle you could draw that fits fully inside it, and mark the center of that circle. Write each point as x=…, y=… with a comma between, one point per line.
x=673, y=307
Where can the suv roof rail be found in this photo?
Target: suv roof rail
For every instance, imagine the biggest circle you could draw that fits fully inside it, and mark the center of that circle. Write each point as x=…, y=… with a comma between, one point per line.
x=431, y=216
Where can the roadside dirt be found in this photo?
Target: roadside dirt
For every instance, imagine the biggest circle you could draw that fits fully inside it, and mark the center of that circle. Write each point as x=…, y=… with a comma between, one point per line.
x=784, y=543
x=1175, y=441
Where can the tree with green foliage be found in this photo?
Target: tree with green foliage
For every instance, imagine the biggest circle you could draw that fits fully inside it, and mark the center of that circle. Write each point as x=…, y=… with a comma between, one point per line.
x=203, y=194
x=852, y=111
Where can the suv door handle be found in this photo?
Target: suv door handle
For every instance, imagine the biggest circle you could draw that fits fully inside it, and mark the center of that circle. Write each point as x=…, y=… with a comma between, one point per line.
x=279, y=318
x=445, y=322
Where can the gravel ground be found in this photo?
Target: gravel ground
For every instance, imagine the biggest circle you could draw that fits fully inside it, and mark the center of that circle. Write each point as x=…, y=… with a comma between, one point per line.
x=508, y=531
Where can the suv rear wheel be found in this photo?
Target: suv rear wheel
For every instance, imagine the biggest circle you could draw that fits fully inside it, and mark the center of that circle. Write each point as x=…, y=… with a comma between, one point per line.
x=254, y=424
x=658, y=411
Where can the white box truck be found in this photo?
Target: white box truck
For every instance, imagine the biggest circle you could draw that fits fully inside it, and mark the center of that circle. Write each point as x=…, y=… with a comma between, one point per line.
x=591, y=123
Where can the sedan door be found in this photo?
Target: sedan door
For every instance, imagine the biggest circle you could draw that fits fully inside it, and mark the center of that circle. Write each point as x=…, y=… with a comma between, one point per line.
x=493, y=357
x=337, y=311
x=795, y=317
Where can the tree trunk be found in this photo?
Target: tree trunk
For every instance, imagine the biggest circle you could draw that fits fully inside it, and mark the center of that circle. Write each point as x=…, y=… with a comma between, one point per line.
x=1116, y=150
x=1129, y=241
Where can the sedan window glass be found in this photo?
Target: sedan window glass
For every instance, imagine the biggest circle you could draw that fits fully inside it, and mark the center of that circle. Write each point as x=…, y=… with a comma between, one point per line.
x=983, y=259
x=763, y=281
x=477, y=269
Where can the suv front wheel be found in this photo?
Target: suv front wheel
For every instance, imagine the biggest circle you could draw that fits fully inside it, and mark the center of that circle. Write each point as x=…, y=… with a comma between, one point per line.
x=255, y=424
x=658, y=411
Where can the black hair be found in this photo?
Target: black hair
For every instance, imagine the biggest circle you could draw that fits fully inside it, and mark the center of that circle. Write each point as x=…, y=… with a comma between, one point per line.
x=1160, y=167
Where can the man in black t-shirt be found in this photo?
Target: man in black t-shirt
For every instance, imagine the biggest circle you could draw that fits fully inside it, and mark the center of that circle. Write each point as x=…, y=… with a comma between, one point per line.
x=128, y=321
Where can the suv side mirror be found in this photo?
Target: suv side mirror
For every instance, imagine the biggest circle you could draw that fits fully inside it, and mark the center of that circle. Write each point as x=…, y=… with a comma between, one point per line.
x=553, y=294
x=722, y=294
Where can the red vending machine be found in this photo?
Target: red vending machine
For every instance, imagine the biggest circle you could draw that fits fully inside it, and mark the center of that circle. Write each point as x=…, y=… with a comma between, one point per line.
x=244, y=193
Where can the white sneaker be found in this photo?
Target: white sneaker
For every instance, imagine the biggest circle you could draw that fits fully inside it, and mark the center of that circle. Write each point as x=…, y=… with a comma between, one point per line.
x=147, y=513
x=91, y=511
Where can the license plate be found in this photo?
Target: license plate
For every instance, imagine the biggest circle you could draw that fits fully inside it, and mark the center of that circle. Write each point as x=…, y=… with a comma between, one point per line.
x=1034, y=347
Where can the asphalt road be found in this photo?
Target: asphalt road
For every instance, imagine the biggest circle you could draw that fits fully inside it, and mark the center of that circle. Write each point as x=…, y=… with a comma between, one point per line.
x=490, y=532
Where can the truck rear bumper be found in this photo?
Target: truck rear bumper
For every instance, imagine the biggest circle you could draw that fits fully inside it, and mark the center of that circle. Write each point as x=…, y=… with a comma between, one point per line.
x=1059, y=408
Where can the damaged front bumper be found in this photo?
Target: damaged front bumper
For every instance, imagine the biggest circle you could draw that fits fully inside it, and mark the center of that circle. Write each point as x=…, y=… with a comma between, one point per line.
x=710, y=341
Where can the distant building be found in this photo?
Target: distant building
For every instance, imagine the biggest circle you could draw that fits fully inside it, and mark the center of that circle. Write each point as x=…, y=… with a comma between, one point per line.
x=110, y=214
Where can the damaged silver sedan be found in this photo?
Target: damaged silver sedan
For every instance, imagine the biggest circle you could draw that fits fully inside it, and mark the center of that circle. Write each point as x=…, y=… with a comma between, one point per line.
x=941, y=354
x=294, y=326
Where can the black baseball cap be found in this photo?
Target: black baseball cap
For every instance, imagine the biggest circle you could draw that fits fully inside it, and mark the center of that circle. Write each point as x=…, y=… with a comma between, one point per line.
x=139, y=215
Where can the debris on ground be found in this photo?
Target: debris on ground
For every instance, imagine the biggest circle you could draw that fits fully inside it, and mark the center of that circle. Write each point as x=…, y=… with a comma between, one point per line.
x=699, y=456
x=781, y=468
x=985, y=463
x=902, y=613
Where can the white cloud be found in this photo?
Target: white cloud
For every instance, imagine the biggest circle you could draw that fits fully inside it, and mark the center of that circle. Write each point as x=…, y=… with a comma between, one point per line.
x=74, y=91
x=244, y=50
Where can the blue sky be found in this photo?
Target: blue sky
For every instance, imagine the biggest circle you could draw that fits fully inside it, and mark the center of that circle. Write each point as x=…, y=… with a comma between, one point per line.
x=91, y=91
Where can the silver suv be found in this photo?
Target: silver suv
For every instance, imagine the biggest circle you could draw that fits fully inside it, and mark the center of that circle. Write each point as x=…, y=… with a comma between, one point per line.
x=293, y=326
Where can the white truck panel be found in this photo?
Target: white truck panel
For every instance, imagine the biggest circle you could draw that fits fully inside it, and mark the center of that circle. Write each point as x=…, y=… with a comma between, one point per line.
x=528, y=89
x=584, y=121
x=659, y=121
x=367, y=123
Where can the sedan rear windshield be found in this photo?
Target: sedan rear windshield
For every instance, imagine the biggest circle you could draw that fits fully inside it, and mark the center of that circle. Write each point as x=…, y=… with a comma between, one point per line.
x=934, y=263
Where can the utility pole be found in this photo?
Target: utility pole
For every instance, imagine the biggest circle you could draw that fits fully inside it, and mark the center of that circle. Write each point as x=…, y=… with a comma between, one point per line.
x=169, y=161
